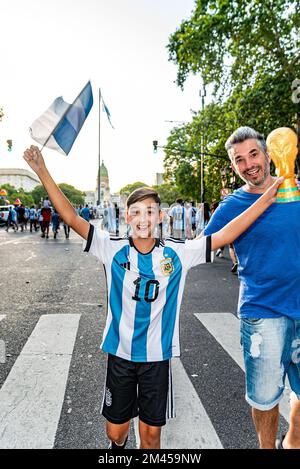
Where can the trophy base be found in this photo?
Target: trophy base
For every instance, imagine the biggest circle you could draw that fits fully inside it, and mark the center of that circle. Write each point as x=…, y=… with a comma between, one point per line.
x=288, y=192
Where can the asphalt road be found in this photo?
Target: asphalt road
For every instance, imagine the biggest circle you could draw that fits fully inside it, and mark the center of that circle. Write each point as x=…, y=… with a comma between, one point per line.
x=42, y=277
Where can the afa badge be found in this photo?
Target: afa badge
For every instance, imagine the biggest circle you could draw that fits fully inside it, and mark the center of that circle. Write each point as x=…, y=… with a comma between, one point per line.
x=166, y=266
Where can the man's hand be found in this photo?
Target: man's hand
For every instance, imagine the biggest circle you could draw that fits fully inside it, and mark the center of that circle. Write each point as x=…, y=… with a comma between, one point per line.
x=34, y=158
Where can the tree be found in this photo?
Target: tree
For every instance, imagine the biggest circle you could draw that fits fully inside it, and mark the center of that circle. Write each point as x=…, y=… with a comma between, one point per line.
x=126, y=190
x=75, y=196
x=230, y=42
x=249, y=51
x=13, y=194
x=38, y=194
x=168, y=193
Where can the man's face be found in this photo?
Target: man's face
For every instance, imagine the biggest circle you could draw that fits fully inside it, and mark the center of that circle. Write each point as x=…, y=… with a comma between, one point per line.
x=250, y=163
x=143, y=218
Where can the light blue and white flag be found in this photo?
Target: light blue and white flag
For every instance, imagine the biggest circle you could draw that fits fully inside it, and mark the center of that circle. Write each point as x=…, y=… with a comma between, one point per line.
x=59, y=126
x=106, y=110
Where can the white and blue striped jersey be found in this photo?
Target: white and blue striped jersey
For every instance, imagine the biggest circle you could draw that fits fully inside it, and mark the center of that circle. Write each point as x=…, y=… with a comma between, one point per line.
x=144, y=293
x=178, y=214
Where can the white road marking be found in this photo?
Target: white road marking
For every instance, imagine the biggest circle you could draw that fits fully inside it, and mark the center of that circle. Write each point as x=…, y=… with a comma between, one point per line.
x=31, y=398
x=225, y=328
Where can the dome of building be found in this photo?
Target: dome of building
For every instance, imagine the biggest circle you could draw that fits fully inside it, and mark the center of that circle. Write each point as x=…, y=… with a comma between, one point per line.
x=103, y=170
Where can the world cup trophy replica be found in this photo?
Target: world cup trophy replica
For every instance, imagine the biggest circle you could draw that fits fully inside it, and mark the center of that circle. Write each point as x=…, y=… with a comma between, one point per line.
x=282, y=148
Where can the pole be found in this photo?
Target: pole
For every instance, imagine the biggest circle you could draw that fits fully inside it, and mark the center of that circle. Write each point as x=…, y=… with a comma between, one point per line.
x=202, y=94
x=99, y=161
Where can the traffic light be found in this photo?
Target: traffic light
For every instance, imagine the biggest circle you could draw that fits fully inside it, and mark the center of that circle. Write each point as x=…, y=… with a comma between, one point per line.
x=9, y=144
x=155, y=143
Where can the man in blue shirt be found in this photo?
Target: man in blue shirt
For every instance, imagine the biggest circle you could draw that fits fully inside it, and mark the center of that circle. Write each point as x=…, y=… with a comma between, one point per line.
x=85, y=213
x=269, y=301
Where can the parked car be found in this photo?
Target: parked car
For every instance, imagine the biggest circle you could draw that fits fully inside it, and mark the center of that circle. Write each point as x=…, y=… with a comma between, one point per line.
x=4, y=209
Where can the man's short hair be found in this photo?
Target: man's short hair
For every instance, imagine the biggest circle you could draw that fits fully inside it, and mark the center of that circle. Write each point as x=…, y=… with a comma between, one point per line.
x=179, y=201
x=242, y=134
x=141, y=194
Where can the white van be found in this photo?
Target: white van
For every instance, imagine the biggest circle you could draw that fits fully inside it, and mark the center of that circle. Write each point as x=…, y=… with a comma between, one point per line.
x=4, y=209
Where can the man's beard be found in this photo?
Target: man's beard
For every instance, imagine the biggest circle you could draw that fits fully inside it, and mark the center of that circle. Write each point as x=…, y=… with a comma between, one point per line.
x=258, y=182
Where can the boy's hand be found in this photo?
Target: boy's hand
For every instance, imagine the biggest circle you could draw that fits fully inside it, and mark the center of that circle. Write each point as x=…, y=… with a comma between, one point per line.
x=270, y=194
x=34, y=158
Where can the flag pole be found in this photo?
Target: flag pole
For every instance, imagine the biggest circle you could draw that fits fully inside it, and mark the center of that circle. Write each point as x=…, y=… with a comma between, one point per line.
x=99, y=180
x=66, y=111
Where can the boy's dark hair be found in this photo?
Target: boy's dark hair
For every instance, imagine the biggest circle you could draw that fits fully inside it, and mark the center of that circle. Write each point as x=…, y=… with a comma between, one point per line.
x=141, y=194
x=179, y=201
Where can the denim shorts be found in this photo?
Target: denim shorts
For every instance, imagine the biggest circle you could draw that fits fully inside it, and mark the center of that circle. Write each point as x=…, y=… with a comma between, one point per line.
x=271, y=351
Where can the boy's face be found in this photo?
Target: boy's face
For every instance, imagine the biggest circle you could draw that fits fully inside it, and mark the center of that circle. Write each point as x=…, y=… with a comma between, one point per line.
x=143, y=217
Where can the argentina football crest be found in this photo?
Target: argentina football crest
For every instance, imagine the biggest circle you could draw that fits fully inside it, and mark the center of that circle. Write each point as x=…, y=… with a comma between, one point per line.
x=167, y=266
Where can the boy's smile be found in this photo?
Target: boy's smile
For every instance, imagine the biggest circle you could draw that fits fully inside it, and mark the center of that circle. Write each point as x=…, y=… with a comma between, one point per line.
x=143, y=217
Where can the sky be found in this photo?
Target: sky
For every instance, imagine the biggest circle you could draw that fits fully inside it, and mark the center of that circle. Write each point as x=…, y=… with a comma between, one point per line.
x=51, y=48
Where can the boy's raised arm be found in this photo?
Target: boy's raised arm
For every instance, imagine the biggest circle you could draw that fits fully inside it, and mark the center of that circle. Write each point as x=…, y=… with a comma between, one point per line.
x=241, y=223
x=34, y=158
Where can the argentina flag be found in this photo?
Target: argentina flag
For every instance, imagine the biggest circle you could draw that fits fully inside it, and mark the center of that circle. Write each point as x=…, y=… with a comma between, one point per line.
x=59, y=125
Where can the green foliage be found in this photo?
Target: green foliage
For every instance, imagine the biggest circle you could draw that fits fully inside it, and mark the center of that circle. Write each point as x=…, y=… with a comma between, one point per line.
x=228, y=41
x=13, y=194
x=75, y=196
x=168, y=193
x=38, y=194
x=249, y=51
x=126, y=190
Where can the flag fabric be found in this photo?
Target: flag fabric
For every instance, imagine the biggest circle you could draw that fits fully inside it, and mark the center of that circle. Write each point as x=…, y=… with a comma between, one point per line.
x=59, y=125
x=106, y=110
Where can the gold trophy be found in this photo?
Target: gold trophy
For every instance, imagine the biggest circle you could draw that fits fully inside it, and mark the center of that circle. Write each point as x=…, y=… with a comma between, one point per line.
x=282, y=148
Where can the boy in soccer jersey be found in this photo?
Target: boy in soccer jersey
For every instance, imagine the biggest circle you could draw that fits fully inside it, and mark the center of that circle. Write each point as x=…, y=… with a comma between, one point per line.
x=145, y=282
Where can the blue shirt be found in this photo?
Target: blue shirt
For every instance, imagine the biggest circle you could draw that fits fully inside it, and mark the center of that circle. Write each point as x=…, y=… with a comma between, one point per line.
x=85, y=213
x=268, y=254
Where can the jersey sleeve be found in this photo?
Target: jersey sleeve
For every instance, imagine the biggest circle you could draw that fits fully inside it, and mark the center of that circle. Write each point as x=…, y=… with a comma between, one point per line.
x=97, y=243
x=197, y=251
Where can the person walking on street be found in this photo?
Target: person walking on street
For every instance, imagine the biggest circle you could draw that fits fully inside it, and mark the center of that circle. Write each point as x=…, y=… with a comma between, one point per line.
x=178, y=220
x=46, y=219
x=12, y=219
x=33, y=218
x=85, y=213
x=55, y=219
x=21, y=216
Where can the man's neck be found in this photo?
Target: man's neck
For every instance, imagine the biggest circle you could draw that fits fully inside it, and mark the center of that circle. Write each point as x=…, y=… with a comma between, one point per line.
x=261, y=188
x=144, y=245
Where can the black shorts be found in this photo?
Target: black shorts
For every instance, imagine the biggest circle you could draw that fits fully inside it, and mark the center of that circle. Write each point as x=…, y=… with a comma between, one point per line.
x=136, y=389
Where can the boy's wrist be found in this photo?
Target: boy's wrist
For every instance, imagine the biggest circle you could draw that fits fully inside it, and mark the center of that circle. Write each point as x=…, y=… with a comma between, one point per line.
x=42, y=171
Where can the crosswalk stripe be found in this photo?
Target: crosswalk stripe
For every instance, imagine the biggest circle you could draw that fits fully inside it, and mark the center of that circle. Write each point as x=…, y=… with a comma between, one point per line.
x=191, y=428
x=31, y=398
x=225, y=327
x=2, y=344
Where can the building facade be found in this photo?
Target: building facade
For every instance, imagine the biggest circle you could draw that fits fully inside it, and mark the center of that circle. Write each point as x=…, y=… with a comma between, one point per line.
x=19, y=178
